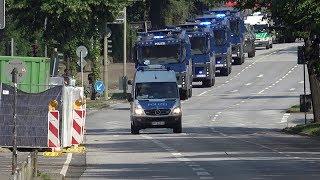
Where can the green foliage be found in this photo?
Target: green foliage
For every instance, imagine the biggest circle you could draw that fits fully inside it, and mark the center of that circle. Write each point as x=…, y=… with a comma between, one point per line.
x=309, y=129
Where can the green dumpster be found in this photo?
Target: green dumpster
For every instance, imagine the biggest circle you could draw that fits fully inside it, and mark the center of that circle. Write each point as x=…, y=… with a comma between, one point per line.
x=36, y=78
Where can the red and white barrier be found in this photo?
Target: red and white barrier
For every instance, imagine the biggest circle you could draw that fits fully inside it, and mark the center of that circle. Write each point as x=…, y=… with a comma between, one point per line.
x=53, y=129
x=77, y=127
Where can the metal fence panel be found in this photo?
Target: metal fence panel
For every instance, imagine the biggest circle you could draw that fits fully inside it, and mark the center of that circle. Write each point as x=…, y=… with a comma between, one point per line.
x=32, y=116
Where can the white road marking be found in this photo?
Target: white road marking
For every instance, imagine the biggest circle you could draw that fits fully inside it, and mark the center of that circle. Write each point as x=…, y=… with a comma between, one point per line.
x=301, y=82
x=260, y=76
x=66, y=165
x=292, y=89
x=204, y=177
x=203, y=93
x=203, y=173
x=248, y=84
x=277, y=82
x=234, y=91
x=198, y=169
x=227, y=81
x=261, y=92
x=176, y=154
x=285, y=118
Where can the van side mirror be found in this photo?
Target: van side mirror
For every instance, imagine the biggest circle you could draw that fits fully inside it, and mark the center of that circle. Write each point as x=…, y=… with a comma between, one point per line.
x=129, y=97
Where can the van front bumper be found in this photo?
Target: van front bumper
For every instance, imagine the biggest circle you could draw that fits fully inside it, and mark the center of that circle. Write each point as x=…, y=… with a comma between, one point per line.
x=144, y=122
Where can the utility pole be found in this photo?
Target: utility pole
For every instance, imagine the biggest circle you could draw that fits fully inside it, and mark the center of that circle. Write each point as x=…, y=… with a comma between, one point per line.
x=105, y=66
x=14, y=114
x=124, y=50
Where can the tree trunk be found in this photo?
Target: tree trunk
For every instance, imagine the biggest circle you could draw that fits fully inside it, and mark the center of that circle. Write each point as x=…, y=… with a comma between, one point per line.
x=315, y=93
x=313, y=58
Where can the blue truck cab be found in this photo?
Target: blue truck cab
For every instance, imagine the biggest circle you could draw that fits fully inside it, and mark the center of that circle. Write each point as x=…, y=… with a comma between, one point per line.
x=222, y=41
x=155, y=101
x=237, y=28
x=203, y=59
x=170, y=48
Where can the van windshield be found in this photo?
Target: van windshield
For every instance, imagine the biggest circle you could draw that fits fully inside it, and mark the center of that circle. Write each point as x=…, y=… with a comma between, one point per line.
x=156, y=90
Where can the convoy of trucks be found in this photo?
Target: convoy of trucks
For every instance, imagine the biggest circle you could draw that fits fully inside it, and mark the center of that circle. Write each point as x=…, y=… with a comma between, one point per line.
x=167, y=61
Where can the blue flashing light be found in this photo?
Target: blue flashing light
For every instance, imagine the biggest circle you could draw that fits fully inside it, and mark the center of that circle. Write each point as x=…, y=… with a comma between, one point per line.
x=205, y=23
x=220, y=15
x=158, y=37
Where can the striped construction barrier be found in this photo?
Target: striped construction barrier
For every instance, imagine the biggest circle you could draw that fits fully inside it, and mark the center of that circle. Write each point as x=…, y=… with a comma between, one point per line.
x=77, y=126
x=53, y=130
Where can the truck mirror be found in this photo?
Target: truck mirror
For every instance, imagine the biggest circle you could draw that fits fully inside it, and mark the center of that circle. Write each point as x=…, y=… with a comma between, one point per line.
x=134, y=53
x=129, y=97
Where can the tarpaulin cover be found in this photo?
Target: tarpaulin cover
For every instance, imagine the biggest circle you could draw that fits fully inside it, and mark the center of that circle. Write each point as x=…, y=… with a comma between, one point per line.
x=32, y=116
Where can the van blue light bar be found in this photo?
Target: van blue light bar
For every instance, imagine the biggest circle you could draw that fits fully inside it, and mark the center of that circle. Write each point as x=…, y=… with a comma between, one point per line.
x=205, y=23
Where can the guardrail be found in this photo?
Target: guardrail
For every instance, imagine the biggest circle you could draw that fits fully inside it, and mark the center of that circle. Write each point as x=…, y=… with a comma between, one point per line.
x=27, y=170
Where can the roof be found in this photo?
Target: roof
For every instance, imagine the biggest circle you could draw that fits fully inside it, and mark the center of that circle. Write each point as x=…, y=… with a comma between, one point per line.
x=155, y=76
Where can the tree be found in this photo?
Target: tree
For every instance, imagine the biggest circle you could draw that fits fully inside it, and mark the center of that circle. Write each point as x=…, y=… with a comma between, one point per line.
x=67, y=23
x=303, y=18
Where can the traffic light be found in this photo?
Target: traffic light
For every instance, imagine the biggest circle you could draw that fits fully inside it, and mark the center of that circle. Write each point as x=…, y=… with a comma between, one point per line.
x=109, y=46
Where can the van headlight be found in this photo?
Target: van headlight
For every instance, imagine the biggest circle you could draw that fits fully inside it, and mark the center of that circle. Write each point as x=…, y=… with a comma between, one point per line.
x=138, y=110
x=176, y=111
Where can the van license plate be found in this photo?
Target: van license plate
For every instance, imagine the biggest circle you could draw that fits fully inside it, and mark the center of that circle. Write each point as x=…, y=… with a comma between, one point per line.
x=158, y=123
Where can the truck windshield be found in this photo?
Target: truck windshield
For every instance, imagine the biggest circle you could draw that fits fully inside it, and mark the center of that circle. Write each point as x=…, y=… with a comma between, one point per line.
x=219, y=37
x=156, y=90
x=234, y=26
x=198, y=45
x=161, y=54
x=260, y=28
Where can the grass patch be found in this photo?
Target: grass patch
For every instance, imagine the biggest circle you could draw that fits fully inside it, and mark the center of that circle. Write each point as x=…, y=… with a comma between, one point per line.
x=101, y=103
x=308, y=129
x=43, y=176
x=294, y=109
x=97, y=104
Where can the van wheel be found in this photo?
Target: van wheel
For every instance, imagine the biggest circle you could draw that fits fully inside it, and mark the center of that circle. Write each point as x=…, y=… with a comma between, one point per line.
x=134, y=129
x=271, y=45
x=267, y=47
x=177, y=129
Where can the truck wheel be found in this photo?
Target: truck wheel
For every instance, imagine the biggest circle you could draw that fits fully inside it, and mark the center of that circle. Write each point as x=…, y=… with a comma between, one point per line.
x=190, y=93
x=271, y=45
x=224, y=71
x=252, y=54
x=184, y=94
x=207, y=83
x=267, y=47
x=134, y=129
x=213, y=81
x=177, y=129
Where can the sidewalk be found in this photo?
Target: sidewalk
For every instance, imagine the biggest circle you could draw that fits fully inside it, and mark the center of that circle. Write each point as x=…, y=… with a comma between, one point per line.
x=48, y=167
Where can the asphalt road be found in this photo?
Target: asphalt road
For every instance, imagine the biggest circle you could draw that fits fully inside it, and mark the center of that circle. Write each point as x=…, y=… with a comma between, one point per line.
x=230, y=131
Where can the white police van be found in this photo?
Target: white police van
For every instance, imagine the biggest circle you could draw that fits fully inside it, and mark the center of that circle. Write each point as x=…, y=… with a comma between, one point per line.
x=155, y=100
